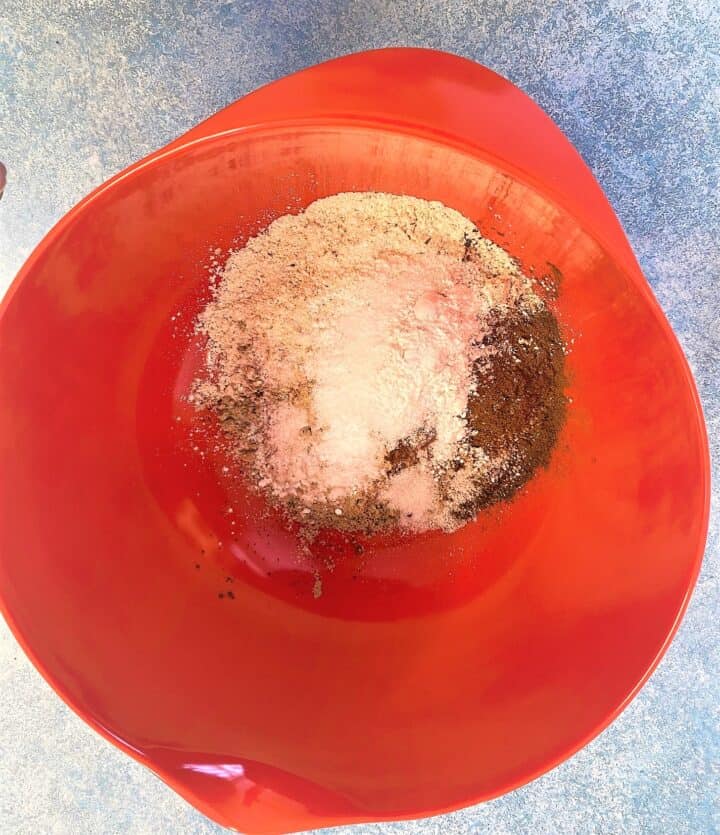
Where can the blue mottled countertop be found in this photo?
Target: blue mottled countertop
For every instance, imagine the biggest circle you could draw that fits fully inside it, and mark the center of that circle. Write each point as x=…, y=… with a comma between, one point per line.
x=93, y=85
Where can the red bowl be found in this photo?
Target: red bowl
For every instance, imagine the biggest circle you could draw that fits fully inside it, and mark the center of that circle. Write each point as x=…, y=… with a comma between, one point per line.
x=434, y=671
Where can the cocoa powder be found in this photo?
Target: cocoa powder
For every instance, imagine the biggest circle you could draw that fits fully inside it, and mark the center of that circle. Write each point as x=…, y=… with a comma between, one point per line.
x=517, y=405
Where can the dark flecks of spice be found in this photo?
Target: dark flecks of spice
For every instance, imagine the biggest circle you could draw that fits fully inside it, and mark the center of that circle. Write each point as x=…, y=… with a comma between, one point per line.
x=469, y=245
x=407, y=452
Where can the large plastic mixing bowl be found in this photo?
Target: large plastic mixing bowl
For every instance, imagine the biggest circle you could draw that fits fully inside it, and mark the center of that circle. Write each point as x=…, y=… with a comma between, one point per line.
x=433, y=671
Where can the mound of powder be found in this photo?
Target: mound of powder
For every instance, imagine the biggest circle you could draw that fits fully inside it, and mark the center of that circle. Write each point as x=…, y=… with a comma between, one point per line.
x=352, y=355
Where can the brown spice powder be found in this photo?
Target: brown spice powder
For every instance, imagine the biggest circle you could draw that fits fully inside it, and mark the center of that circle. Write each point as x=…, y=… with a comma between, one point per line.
x=517, y=405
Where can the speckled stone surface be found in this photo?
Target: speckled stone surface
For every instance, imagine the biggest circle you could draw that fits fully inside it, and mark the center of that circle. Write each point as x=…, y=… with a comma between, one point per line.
x=88, y=86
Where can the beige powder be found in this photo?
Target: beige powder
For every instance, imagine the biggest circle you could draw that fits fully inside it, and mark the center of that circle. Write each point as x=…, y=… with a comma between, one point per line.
x=346, y=333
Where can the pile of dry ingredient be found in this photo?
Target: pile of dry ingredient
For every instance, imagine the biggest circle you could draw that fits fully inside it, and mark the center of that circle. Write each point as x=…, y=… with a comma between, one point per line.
x=378, y=364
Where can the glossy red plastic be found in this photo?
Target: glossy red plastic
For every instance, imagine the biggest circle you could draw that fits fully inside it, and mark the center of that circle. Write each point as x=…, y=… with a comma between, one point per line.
x=180, y=623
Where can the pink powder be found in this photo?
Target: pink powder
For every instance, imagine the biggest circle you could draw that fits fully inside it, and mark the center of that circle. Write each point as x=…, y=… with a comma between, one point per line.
x=390, y=359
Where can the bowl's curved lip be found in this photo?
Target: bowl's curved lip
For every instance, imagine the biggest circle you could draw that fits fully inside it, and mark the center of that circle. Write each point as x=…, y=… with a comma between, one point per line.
x=637, y=280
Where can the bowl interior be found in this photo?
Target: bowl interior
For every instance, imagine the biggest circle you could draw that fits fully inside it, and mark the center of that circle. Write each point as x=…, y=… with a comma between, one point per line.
x=432, y=671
